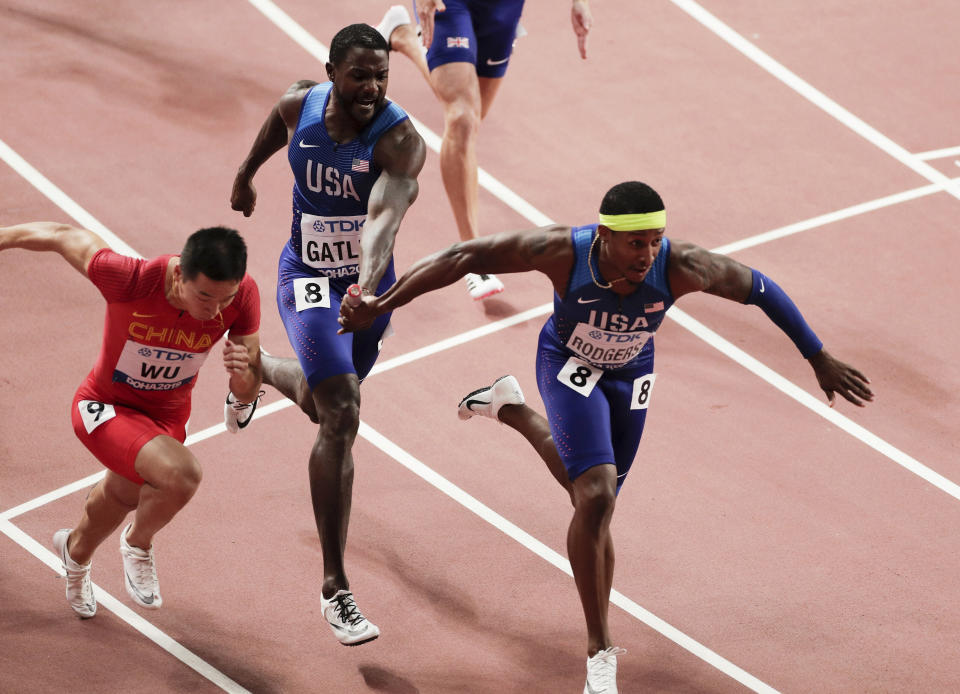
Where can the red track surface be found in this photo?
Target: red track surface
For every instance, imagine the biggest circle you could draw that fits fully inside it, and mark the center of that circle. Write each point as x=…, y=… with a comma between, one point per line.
x=749, y=522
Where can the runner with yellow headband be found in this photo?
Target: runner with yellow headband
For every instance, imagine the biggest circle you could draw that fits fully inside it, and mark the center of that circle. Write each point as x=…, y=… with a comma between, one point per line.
x=613, y=284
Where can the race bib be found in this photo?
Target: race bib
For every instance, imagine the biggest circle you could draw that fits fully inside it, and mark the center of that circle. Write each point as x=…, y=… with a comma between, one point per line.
x=606, y=348
x=312, y=292
x=579, y=376
x=642, y=390
x=95, y=413
x=156, y=368
x=331, y=244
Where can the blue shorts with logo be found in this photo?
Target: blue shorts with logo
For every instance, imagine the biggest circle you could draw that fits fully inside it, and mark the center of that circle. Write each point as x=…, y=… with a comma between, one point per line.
x=312, y=330
x=597, y=429
x=481, y=32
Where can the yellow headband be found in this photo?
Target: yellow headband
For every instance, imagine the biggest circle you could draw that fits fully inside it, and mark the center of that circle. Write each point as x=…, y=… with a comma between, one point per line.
x=634, y=222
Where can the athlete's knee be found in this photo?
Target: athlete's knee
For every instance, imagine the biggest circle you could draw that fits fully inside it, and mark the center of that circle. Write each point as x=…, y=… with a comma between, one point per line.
x=113, y=491
x=178, y=478
x=338, y=407
x=462, y=120
x=595, y=494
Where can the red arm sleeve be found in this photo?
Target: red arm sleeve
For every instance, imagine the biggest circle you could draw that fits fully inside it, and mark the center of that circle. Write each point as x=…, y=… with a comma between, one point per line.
x=120, y=277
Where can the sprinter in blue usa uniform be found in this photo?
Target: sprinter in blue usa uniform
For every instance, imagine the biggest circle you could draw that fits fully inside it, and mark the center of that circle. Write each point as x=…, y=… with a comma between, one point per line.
x=355, y=158
x=614, y=282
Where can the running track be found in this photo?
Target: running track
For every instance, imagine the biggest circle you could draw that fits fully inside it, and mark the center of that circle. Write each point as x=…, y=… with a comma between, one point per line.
x=764, y=541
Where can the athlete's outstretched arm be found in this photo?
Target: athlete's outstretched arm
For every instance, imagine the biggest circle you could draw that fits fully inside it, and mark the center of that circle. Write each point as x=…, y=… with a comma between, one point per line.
x=76, y=245
x=400, y=154
x=696, y=269
x=273, y=135
x=548, y=250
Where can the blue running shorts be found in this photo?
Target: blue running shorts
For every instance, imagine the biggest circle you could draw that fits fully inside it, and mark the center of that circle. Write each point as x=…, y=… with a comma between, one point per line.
x=601, y=428
x=481, y=32
x=309, y=306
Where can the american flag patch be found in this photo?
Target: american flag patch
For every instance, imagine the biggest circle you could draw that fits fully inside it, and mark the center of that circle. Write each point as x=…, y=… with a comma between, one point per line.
x=362, y=165
x=650, y=308
x=458, y=42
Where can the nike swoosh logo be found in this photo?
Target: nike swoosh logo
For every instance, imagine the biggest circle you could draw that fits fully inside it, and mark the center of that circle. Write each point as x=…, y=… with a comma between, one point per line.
x=761, y=285
x=497, y=62
x=471, y=403
x=146, y=598
x=306, y=146
x=581, y=300
x=591, y=690
x=144, y=315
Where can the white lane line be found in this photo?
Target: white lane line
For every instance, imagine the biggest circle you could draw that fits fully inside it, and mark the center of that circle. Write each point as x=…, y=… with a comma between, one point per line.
x=813, y=403
x=938, y=153
x=816, y=97
x=543, y=551
x=62, y=200
x=104, y=599
x=830, y=217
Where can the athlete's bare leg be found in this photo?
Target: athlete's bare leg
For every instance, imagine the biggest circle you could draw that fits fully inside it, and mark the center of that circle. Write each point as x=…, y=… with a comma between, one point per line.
x=458, y=90
x=337, y=403
x=285, y=374
x=589, y=543
x=105, y=508
x=335, y=406
x=489, y=86
x=536, y=430
x=172, y=475
x=590, y=548
x=404, y=40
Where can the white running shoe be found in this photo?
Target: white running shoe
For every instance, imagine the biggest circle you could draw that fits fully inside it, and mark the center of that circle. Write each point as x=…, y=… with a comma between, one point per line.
x=79, y=588
x=346, y=621
x=395, y=17
x=236, y=414
x=140, y=574
x=482, y=286
x=488, y=401
x=602, y=672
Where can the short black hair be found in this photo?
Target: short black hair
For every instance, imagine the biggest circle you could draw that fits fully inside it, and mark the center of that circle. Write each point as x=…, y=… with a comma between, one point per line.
x=362, y=35
x=631, y=197
x=218, y=252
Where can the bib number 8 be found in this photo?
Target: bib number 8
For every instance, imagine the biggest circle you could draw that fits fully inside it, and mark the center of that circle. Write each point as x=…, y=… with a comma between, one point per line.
x=642, y=389
x=312, y=292
x=579, y=376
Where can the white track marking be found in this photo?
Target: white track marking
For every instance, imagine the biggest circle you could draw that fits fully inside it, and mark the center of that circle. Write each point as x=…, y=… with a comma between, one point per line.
x=816, y=97
x=830, y=217
x=938, y=153
x=62, y=200
x=104, y=599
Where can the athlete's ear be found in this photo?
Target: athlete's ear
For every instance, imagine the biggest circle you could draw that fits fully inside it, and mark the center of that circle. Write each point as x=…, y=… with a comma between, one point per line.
x=330, y=71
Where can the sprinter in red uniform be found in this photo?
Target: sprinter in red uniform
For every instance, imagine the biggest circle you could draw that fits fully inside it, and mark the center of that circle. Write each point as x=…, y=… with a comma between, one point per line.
x=163, y=316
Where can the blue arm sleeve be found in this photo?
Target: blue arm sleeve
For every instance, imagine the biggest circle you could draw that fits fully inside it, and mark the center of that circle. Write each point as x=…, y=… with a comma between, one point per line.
x=782, y=311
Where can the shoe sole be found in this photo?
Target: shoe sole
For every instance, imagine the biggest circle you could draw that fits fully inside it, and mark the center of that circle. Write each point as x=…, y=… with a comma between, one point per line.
x=360, y=643
x=488, y=294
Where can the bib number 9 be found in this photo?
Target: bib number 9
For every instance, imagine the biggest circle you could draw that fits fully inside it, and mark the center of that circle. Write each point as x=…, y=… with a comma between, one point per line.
x=95, y=413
